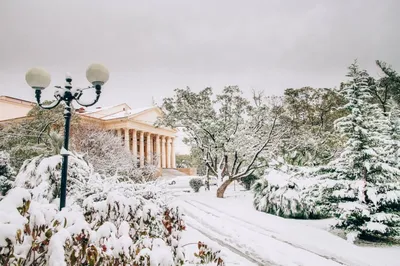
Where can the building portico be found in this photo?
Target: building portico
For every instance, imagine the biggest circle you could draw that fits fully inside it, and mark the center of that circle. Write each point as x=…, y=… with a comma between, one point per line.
x=147, y=143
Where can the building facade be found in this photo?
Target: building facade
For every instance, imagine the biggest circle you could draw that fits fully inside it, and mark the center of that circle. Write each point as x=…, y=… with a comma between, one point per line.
x=135, y=127
x=150, y=144
x=14, y=108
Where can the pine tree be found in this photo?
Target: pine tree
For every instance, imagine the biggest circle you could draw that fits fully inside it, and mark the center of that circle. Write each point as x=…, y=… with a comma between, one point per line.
x=362, y=185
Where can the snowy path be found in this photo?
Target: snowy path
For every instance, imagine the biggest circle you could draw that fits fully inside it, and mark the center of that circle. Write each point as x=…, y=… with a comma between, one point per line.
x=194, y=225
x=255, y=244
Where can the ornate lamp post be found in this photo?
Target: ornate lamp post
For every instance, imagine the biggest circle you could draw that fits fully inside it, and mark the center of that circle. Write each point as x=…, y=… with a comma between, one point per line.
x=39, y=79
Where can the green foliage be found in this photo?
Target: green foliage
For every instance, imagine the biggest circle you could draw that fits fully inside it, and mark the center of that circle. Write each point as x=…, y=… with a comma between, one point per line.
x=248, y=181
x=6, y=173
x=35, y=135
x=387, y=87
x=309, y=114
x=196, y=183
x=185, y=161
x=192, y=160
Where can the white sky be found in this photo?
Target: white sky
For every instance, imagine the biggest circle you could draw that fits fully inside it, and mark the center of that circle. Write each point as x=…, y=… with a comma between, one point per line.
x=153, y=47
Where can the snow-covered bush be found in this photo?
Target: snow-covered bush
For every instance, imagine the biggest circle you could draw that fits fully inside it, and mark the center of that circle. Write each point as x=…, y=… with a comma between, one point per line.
x=363, y=210
x=196, y=183
x=280, y=194
x=207, y=255
x=6, y=173
x=106, y=222
x=43, y=176
x=34, y=233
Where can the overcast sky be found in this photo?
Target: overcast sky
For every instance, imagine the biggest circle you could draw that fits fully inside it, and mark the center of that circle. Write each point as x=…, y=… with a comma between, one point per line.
x=153, y=47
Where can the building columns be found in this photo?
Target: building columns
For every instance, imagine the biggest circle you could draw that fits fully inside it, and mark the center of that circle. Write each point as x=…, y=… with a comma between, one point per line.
x=149, y=145
x=168, y=152
x=148, y=148
x=158, y=150
x=134, y=144
x=141, y=155
x=119, y=133
x=173, y=161
x=126, y=139
x=163, y=153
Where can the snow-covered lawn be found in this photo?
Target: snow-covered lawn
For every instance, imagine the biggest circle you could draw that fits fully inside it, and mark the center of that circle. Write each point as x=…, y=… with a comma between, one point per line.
x=249, y=237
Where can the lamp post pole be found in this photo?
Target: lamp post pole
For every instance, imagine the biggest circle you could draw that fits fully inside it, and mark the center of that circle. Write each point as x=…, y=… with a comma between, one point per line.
x=38, y=79
x=64, y=169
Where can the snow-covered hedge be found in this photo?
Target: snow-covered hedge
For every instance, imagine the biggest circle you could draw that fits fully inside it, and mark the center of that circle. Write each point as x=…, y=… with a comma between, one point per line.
x=281, y=194
x=106, y=221
x=363, y=211
x=112, y=231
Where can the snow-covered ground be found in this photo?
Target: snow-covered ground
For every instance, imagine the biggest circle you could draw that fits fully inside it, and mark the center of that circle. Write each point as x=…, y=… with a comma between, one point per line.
x=249, y=237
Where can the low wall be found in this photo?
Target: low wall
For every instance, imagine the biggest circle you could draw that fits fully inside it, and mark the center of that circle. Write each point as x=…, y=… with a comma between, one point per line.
x=188, y=171
x=158, y=172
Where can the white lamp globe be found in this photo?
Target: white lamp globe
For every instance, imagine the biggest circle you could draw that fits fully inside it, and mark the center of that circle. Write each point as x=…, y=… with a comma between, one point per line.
x=37, y=78
x=97, y=74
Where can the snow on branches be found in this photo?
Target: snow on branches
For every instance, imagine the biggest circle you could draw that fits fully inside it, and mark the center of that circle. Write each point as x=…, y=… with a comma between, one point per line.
x=232, y=133
x=106, y=222
x=362, y=185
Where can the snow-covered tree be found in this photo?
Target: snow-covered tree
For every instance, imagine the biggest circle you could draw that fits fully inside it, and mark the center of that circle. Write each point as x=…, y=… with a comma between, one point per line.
x=363, y=183
x=105, y=151
x=387, y=88
x=34, y=135
x=233, y=134
x=6, y=173
x=309, y=114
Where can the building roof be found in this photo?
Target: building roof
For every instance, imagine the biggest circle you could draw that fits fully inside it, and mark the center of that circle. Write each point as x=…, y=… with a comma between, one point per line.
x=116, y=111
x=127, y=113
x=16, y=100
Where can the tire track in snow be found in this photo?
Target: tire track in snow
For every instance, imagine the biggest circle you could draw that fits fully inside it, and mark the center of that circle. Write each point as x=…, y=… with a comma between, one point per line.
x=263, y=231
x=226, y=245
x=202, y=230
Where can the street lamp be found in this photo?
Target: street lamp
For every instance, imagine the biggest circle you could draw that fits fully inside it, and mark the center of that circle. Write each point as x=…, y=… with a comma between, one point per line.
x=39, y=79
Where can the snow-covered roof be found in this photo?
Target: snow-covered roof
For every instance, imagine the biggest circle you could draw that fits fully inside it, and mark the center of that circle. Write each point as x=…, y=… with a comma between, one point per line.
x=98, y=109
x=115, y=112
x=127, y=113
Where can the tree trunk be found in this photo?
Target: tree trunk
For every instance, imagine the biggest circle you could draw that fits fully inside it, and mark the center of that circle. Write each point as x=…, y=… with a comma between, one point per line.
x=208, y=179
x=222, y=188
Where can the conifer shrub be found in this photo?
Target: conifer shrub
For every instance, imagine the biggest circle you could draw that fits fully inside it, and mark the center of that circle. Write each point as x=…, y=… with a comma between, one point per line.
x=196, y=183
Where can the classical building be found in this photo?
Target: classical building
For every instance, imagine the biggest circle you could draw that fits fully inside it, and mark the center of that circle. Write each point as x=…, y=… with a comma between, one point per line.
x=136, y=128
x=150, y=144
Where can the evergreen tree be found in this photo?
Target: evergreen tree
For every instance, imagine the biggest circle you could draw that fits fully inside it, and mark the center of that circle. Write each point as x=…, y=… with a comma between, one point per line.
x=362, y=185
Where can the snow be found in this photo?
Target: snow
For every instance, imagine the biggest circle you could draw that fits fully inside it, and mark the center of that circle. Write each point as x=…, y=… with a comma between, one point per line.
x=259, y=238
x=56, y=248
x=160, y=255
x=244, y=236
x=64, y=151
x=374, y=226
x=278, y=178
